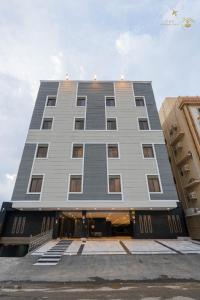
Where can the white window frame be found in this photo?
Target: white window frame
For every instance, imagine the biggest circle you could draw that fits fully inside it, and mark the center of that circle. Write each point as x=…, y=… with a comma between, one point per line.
x=106, y=97
x=81, y=192
x=72, y=148
x=107, y=146
x=108, y=183
x=143, y=144
x=107, y=125
x=29, y=184
x=143, y=97
x=138, y=124
x=161, y=190
x=41, y=144
x=81, y=96
x=74, y=129
x=47, y=98
x=52, y=118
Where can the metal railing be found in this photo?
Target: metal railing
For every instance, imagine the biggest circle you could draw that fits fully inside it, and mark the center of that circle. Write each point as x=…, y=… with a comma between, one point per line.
x=38, y=240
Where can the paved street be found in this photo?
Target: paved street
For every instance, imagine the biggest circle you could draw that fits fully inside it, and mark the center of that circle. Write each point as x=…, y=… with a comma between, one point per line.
x=110, y=269
x=87, y=268
x=114, y=290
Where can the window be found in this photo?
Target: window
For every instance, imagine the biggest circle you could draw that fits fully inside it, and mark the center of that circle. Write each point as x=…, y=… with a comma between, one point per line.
x=42, y=151
x=147, y=151
x=111, y=124
x=110, y=101
x=114, y=184
x=79, y=124
x=81, y=101
x=51, y=101
x=77, y=151
x=143, y=124
x=153, y=183
x=113, y=151
x=139, y=101
x=47, y=124
x=75, y=184
x=36, y=184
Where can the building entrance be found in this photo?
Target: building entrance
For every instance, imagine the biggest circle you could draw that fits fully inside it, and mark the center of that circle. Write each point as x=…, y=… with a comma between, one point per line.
x=95, y=224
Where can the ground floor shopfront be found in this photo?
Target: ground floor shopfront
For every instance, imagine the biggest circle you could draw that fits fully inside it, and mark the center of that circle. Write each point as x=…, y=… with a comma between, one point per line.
x=92, y=223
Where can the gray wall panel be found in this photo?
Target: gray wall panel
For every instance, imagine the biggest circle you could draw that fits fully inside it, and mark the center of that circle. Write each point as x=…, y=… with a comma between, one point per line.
x=169, y=190
x=95, y=92
x=23, y=175
x=145, y=89
x=95, y=175
x=46, y=88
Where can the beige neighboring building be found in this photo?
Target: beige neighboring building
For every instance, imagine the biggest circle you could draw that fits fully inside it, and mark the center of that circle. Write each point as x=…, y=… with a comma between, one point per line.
x=180, y=120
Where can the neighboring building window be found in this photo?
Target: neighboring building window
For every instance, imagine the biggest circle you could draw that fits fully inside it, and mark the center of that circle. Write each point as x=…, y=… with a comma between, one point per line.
x=81, y=101
x=110, y=101
x=36, y=184
x=42, y=151
x=77, y=151
x=75, y=184
x=114, y=184
x=79, y=124
x=113, y=151
x=51, y=101
x=153, y=182
x=47, y=123
x=143, y=124
x=111, y=124
x=147, y=151
x=139, y=101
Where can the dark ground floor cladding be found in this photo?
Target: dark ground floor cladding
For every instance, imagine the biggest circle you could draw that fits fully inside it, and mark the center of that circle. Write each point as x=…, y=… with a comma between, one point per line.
x=137, y=224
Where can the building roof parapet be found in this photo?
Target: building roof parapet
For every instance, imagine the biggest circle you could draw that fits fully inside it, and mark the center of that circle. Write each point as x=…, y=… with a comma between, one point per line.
x=189, y=100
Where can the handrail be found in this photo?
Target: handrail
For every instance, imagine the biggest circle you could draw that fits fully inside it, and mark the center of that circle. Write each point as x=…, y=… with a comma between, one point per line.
x=39, y=239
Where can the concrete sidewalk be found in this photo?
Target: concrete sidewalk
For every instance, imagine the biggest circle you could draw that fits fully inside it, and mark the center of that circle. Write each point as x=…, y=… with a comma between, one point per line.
x=89, y=268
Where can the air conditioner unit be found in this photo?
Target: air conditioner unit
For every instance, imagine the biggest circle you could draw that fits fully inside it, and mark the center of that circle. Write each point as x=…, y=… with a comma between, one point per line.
x=193, y=195
x=186, y=168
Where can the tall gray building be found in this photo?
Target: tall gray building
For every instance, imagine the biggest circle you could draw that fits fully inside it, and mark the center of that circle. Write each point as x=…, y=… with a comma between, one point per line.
x=94, y=164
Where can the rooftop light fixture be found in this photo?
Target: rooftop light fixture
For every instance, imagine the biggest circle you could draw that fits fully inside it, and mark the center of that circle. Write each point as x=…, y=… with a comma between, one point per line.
x=95, y=77
x=122, y=77
x=67, y=76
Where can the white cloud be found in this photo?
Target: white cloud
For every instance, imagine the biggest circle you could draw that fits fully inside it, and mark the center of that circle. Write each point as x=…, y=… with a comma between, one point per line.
x=11, y=177
x=6, y=187
x=58, y=64
x=134, y=45
x=163, y=58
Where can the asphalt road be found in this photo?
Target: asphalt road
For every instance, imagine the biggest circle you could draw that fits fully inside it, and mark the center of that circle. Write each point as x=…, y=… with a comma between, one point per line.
x=92, y=291
x=90, y=268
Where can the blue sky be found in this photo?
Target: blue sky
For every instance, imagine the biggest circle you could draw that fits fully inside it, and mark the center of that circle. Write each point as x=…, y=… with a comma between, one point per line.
x=47, y=39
